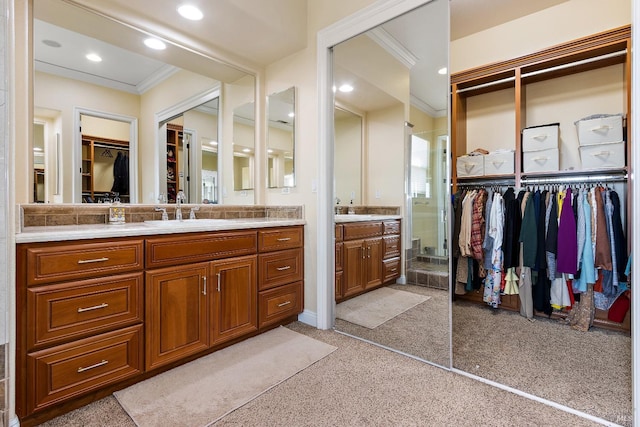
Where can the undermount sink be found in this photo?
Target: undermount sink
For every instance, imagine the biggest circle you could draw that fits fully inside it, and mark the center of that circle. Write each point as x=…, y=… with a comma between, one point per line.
x=186, y=222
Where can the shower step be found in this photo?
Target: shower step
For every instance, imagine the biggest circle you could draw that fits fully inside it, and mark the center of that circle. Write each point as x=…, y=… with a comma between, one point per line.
x=437, y=279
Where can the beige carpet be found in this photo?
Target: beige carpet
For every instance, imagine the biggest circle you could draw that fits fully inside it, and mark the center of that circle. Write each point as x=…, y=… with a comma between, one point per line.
x=201, y=392
x=378, y=306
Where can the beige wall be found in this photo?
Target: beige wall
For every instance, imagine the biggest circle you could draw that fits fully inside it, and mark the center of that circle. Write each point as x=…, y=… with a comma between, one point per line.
x=567, y=21
x=62, y=94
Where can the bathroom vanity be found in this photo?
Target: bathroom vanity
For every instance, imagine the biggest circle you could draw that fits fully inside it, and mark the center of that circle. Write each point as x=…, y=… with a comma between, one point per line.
x=367, y=253
x=100, y=307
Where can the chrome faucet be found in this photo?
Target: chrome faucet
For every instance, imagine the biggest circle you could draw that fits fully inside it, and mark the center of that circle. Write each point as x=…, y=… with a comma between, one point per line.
x=165, y=217
x=192, y=213
x=180, y=197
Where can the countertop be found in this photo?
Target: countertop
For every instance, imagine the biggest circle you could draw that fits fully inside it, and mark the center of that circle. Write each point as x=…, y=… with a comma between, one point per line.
x=97, y=231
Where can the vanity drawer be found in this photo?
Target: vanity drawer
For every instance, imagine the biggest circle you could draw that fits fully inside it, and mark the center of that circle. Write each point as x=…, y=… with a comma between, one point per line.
x=390, y=246
x=276, y=239
x=188, y=248
x=56, y=262
x=73, y=310
x=73, y=369
x=358, y=230
x=279, y=303
x=390, y=269
x=278, y=268
x=391, y=227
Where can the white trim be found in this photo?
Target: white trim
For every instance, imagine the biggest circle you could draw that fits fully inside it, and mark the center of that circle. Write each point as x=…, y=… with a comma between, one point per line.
x=392, y=46
x=535, y=398
x=76, y=183
x=357, y=23
x=309, y=317
x=635, y=209
x=156, y=78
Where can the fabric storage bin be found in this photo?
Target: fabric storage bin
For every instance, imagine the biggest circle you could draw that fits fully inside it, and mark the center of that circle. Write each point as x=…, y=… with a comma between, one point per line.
x=537, y=138
x=470, y=166
x=600, y=129
x=603, y=156
x=541, y=161
x=499, y=163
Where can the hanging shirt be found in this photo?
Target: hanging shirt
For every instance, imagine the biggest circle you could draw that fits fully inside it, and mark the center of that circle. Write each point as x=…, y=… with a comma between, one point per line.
x=528, y=232
x=567, y=238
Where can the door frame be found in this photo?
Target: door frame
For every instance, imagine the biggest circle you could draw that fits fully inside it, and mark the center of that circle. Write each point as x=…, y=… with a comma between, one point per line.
x=77, y=150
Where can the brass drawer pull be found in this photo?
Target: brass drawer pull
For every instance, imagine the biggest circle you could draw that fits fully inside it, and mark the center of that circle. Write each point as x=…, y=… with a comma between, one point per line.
x=283, y=239
x=95, y=307
x=89, y=261
x=286, y=267
x=282, y=304
x=97, y=365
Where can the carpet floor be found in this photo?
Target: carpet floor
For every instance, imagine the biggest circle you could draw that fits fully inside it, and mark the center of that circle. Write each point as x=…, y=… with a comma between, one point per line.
x=360, y=384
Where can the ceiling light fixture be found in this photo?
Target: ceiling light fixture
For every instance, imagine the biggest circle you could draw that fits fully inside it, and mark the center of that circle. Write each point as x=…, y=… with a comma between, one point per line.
x=345, y=88
x=155, y=44
x=213, y=142
x=51, y=43
x=190, y=12
x=442, y=71
x=246, y=150
x=291, y=114
x=93, y=57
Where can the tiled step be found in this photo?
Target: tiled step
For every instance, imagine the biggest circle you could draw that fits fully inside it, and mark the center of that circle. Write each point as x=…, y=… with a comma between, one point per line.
x=438, y=279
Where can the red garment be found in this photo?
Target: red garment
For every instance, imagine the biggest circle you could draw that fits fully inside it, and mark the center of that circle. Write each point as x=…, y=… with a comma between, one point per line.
x=619, y=308
x=597, y=287
x=478, y=225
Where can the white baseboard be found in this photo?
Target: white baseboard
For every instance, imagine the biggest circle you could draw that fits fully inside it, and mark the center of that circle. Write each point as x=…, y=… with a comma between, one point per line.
x=308, y=317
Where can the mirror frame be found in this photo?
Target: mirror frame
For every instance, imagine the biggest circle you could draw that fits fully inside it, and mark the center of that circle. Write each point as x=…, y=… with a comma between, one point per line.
x=342, y=30
x=293, y=136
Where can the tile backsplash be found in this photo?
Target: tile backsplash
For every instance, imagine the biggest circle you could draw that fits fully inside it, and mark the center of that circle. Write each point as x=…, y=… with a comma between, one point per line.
x=47, y=215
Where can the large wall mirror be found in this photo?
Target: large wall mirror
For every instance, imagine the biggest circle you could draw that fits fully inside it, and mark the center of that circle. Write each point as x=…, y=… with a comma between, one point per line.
x=126, y=80
x=382, y=79
x=281, y=139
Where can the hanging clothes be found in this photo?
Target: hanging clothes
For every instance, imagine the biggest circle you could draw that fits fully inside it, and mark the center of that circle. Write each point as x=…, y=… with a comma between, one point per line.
x=567, y=238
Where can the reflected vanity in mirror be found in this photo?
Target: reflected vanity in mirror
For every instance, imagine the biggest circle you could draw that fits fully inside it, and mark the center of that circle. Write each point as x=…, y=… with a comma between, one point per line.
x=376, y=93
x=281, y=139
x=152, y=82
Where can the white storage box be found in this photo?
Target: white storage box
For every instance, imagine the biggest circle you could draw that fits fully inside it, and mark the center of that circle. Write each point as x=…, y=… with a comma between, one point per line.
x=541, y=161
x=499, y=163
x=600, y=129
x=602, y=156
x=540, y=138
x=470, y=166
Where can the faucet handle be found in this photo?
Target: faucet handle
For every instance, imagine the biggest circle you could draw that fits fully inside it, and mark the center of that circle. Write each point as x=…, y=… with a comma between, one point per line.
x=180, y=196
x=165, y=217
x=162, y=198
x=192, y=213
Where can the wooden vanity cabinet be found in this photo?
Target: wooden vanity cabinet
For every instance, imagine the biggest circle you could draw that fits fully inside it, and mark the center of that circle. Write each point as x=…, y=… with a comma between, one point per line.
x=94, y=315
x=280, y=275
x=79, y=319
x=370, y=256
x=339, y=293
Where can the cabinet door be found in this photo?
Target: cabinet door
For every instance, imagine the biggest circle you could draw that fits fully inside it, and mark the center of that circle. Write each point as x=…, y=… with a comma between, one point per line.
x=373, y=262
x=234, y=290
x=353, y=257
x=176, y=313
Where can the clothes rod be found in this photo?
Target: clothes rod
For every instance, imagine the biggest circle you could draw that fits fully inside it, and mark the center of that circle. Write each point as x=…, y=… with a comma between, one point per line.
x=487, y=182
x=575, y=64
x=576, y=179
x=112, y=147
x=546, y=70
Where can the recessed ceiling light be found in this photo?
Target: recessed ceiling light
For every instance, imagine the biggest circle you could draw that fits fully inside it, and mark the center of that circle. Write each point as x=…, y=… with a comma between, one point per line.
x=269, y=150
x=37, y=149
x=155, y=44
x=51, y=43
x=213, y=142
x=93, y=57
x=246, y=150
x=345, y=88
x=291, y=114
x=442, y=71
x=190, y=12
